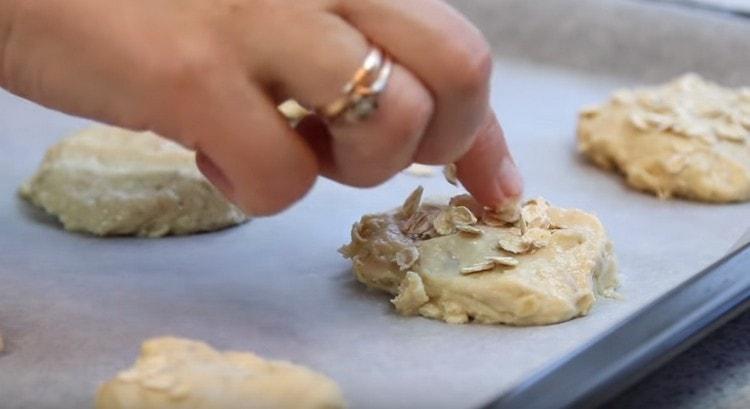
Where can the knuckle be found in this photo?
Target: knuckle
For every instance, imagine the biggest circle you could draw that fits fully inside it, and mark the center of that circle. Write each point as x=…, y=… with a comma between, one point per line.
x=371, y=179
x=470, y=66
x=185, y=80
x=403, y=120
x=433, y=155
x=185, y=67
x=400, y=127
x=407, y=117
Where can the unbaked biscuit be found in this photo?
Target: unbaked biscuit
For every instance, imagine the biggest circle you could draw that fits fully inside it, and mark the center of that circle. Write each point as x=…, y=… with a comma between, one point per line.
x=688, y=138
x=460, y=262
x=111, y=181
x=176, y=373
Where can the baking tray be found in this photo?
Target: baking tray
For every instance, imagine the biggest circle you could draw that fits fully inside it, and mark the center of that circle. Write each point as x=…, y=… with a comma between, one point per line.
x=74, y=309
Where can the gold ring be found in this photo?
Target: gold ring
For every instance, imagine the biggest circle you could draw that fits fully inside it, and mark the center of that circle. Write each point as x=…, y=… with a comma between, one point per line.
x=359, y=96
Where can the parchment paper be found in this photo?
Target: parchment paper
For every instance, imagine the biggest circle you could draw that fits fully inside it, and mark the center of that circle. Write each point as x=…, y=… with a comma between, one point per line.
x=74, y=309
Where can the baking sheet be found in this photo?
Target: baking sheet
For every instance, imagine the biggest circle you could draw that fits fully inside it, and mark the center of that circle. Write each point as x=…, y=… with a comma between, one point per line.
x=74, y=309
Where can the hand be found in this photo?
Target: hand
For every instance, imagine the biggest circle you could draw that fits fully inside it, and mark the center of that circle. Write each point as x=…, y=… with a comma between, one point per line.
x=209, y=74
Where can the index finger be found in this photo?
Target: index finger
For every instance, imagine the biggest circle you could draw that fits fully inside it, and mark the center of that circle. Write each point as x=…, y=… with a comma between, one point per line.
x=487, y=170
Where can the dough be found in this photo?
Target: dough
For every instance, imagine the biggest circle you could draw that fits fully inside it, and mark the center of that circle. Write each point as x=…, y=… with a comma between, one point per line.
x=532, y=265
x=176, y=373
x=688, y=138
x=110, y=181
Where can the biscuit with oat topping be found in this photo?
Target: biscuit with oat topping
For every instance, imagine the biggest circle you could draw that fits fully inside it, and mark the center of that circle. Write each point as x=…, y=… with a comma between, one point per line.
x=689, y=138
x=549, y=272
x=182, y=373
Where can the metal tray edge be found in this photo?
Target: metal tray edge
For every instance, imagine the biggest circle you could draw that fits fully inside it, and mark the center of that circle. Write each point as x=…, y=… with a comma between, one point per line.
x=641, y=343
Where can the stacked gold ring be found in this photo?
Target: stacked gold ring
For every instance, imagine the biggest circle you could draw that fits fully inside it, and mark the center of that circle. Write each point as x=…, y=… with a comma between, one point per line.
x=359, y=97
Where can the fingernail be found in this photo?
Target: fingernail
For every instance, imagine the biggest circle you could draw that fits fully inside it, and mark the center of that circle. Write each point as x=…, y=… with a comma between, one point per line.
x=214, y=174
x=509, y=178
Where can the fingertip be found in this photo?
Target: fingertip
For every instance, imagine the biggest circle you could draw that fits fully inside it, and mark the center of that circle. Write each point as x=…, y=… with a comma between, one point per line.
x=486, y=192
x=509, y=178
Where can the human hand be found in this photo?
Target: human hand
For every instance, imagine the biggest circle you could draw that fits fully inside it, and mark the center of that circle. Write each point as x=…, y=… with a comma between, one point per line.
x=209, y=74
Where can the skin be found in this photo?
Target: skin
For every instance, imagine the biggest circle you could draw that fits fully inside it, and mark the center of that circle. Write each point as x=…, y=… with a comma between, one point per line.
x=209, y=73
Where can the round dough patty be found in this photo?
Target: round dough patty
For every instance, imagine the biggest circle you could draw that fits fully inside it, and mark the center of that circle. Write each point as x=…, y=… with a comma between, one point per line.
x=111, y=181
x=688, y=138
x=460, y=262
x=174, y=373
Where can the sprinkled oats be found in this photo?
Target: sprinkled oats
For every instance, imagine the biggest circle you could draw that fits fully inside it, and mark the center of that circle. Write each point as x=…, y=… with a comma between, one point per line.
x=468, y=229
x=420, y=170
x=503, y=261
x=411, y=205
x=443, y=224
x=451, y=174
x=691, y=107
x=537, y=237
x=534, y=214
x=462, y=215
x=478, y=267
x=514, y=244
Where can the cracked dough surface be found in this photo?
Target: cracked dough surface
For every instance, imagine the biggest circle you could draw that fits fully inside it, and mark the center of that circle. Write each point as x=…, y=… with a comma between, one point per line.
x=174, y=373
x=550, y=264
x=111, y=181
x=688, y=138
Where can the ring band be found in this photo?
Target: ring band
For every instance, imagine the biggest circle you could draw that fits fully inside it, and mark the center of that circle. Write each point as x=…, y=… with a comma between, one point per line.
x=373, y=60
x=359, y=96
